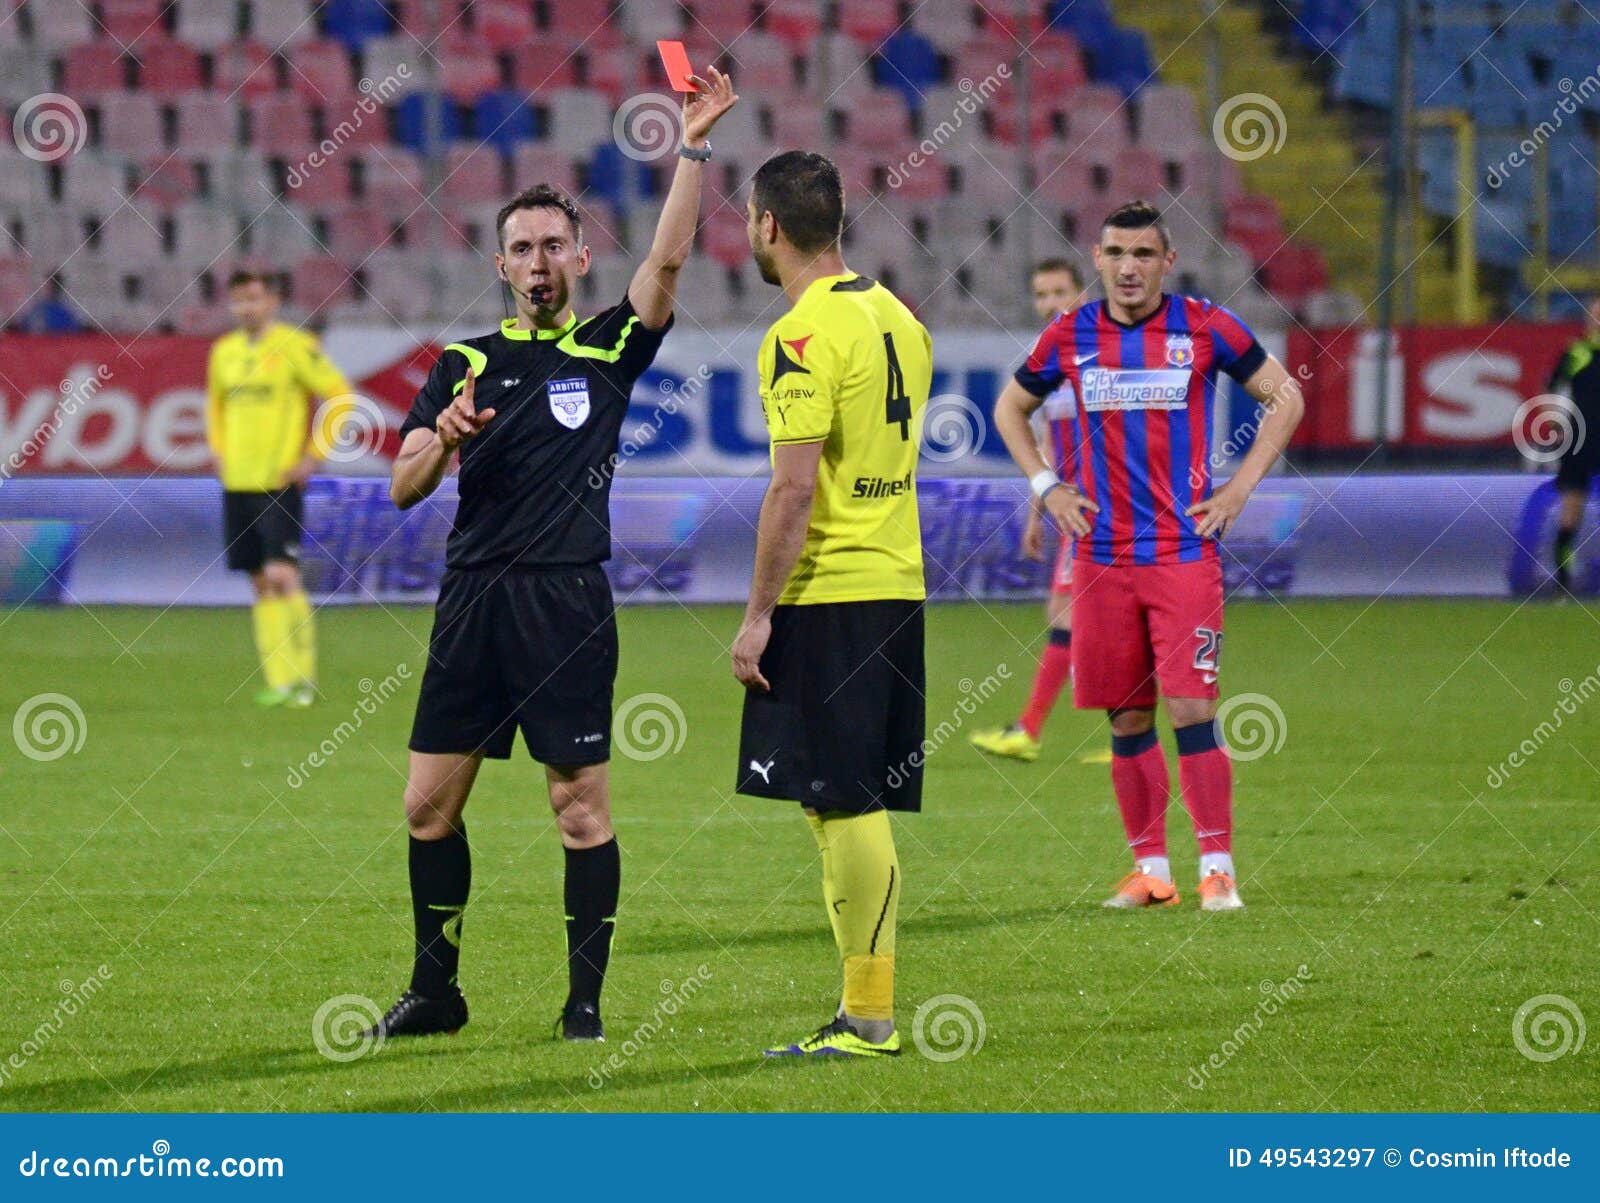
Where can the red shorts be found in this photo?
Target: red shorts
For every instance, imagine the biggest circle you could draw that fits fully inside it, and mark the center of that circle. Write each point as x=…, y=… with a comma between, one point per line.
x=1061, y=575
x=1139, y=625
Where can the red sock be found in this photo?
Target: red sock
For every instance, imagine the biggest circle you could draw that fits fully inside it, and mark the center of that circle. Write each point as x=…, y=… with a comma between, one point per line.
x=1139, y=777
x=1055, y=670
x=1205, y=775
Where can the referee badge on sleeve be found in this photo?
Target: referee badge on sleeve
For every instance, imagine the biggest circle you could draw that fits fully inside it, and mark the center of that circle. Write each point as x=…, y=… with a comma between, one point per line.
x=569, y=401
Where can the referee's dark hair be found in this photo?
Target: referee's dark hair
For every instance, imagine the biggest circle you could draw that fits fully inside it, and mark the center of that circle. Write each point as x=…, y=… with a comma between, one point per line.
x=1057, y=264
x=540, y=196
x=240, y=276
x=1139, y=215
x=802, y=190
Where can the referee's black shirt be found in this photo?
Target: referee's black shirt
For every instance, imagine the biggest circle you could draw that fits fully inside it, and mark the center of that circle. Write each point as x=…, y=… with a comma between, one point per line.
x=536, y=484
x=1578, y=374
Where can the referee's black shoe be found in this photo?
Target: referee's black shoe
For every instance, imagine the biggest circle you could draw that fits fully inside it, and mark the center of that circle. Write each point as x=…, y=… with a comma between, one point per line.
x=418, y=1015
x=581, y=1021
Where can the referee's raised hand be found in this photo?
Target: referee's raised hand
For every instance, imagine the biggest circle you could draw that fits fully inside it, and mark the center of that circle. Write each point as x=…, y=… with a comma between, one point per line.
x=461, y=419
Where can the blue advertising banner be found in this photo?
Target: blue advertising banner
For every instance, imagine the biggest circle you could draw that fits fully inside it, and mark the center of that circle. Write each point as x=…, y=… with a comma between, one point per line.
x=692, y=539
x=1326, y=1156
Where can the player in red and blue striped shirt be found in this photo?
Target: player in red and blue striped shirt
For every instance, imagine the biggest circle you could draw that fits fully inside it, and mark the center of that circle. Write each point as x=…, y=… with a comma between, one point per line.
x=1147, y=586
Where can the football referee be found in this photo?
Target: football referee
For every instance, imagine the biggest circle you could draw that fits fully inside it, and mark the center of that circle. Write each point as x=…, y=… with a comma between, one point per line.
x=830, y=649
x=260, y=379
x=1577, y=377
x=524, y=636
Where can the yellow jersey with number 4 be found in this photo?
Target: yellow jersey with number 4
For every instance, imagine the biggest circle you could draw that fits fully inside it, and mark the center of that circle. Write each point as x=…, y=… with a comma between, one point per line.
x=850, y=367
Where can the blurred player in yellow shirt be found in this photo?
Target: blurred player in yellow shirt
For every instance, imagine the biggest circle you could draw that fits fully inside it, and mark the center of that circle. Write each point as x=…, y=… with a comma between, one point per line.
x=259, y=384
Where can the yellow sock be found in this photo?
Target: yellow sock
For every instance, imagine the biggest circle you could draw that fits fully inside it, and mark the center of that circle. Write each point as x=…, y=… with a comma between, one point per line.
x=864, y=895
x=270, y=621
x=821, y=834
x=302, y=638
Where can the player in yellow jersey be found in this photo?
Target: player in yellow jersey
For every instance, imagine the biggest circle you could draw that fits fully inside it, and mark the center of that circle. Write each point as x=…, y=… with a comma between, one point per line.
x=830, y=649
x=259, y=384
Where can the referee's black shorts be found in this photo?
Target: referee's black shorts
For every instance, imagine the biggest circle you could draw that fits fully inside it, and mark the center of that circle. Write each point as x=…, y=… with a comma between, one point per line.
x=258, y=527
x=534, y=649
x=842, y=728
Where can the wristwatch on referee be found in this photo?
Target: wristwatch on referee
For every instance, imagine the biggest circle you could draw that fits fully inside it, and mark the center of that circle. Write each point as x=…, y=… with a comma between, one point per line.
x=699, y=154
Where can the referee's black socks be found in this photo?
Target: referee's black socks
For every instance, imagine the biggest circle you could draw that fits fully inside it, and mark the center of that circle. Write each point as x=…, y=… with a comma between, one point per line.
x=593, y=880
x=441, y=877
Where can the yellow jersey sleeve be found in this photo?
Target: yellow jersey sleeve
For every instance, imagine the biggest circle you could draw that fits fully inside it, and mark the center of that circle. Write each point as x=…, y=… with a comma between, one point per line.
x=800, y=376
x=318, y=376
x=214, y=413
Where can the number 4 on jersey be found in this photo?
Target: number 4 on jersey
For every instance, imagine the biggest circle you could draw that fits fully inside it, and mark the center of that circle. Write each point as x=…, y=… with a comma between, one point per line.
x=897, y=405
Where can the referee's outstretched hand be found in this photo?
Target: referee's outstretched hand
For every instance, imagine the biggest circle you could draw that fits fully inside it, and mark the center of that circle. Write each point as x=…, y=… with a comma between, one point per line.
x=461, y=419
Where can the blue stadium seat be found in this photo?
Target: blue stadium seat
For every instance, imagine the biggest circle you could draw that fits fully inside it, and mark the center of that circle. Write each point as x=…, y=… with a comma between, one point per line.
x=1124, y=62
x=607, y=176
x=355, y=22
x=504, y=119
x=412, y=117
x=910, y=64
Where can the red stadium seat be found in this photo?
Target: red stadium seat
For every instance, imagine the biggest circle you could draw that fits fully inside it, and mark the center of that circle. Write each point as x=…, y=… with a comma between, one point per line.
x=16, y=286
x=796, y=126
x=1136, y=172
x=425, y=20
x=168, y=68
x=167, y=182
x=324, y=187
x=391, y=179
x=92, y=70
x=503, y=24
x=129, y=21
x=320, y=73
x=318, y=283
x=471, y=174
x=1255, y=224
x=585, y=23
x=280, y=124
x=534, y=163
x=869, y=21
x=536, y=67
x=355, y=231
x=1006, y=123
x=723, y=20
x=130, y=124
x=1296, y=271
x=882, y=123
x=244, y=68
x=466, y=69
x=797, y=22
x=206, y=121
x=1002, y=19
x=447, y=233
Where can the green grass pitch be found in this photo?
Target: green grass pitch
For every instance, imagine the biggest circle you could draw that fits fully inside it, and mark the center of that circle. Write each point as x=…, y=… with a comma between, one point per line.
x=227, y=906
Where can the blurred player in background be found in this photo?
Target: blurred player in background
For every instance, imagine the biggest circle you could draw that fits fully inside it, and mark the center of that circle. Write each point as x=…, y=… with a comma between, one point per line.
x=259, y=383
x=524, y=634
x=1577, y=377
x=1057, y=289
x=830, y=650
x=1147, y=588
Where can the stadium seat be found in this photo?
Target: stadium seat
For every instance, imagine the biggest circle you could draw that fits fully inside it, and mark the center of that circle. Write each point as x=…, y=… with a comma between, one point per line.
x=283, y=24
x=355, y=22
x=1123, y=61
x=909, y=63
x=354, y=231
x=763, y=57
x=131, y=234
x=1136, y=172
x=1296, y=271
x=91, y=70
x=535, y=70
x=580, y=119
x=504, y=120
x=503, y=24
x=207, y=24
x=131, y=124
x=392, y=64
x=238, y=179
x=424, y=120
x=24, y=72
x=319, y=72
x=724, y=21
x=947, y=26
x=536, y=163
x=449, y=235
x=318, y=282
x=324, y=187
x=397, y=281
x=201, y=233
x=16, y=286
x=1167, y=121
x=168, y=68
x=472, y=174
x=870, y=21
x=57, y=26
x=391, y=179
x=613, y=177
x=467, y=70
x=167, y=181
x=882, y=123
x=206, y=121
x=280, y=124
x=127, y=22
x=797, y=22
x=244, y=68
x=1254, y=223
x=723, y=237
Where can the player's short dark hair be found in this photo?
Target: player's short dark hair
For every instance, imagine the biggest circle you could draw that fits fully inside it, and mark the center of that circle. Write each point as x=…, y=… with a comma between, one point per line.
x=803, y=191
x=1057, y=264
x=540, y=196
x=240, y=276
x=1139, y=215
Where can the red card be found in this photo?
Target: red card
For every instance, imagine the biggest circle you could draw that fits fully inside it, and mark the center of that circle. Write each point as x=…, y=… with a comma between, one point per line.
x=676, y=60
